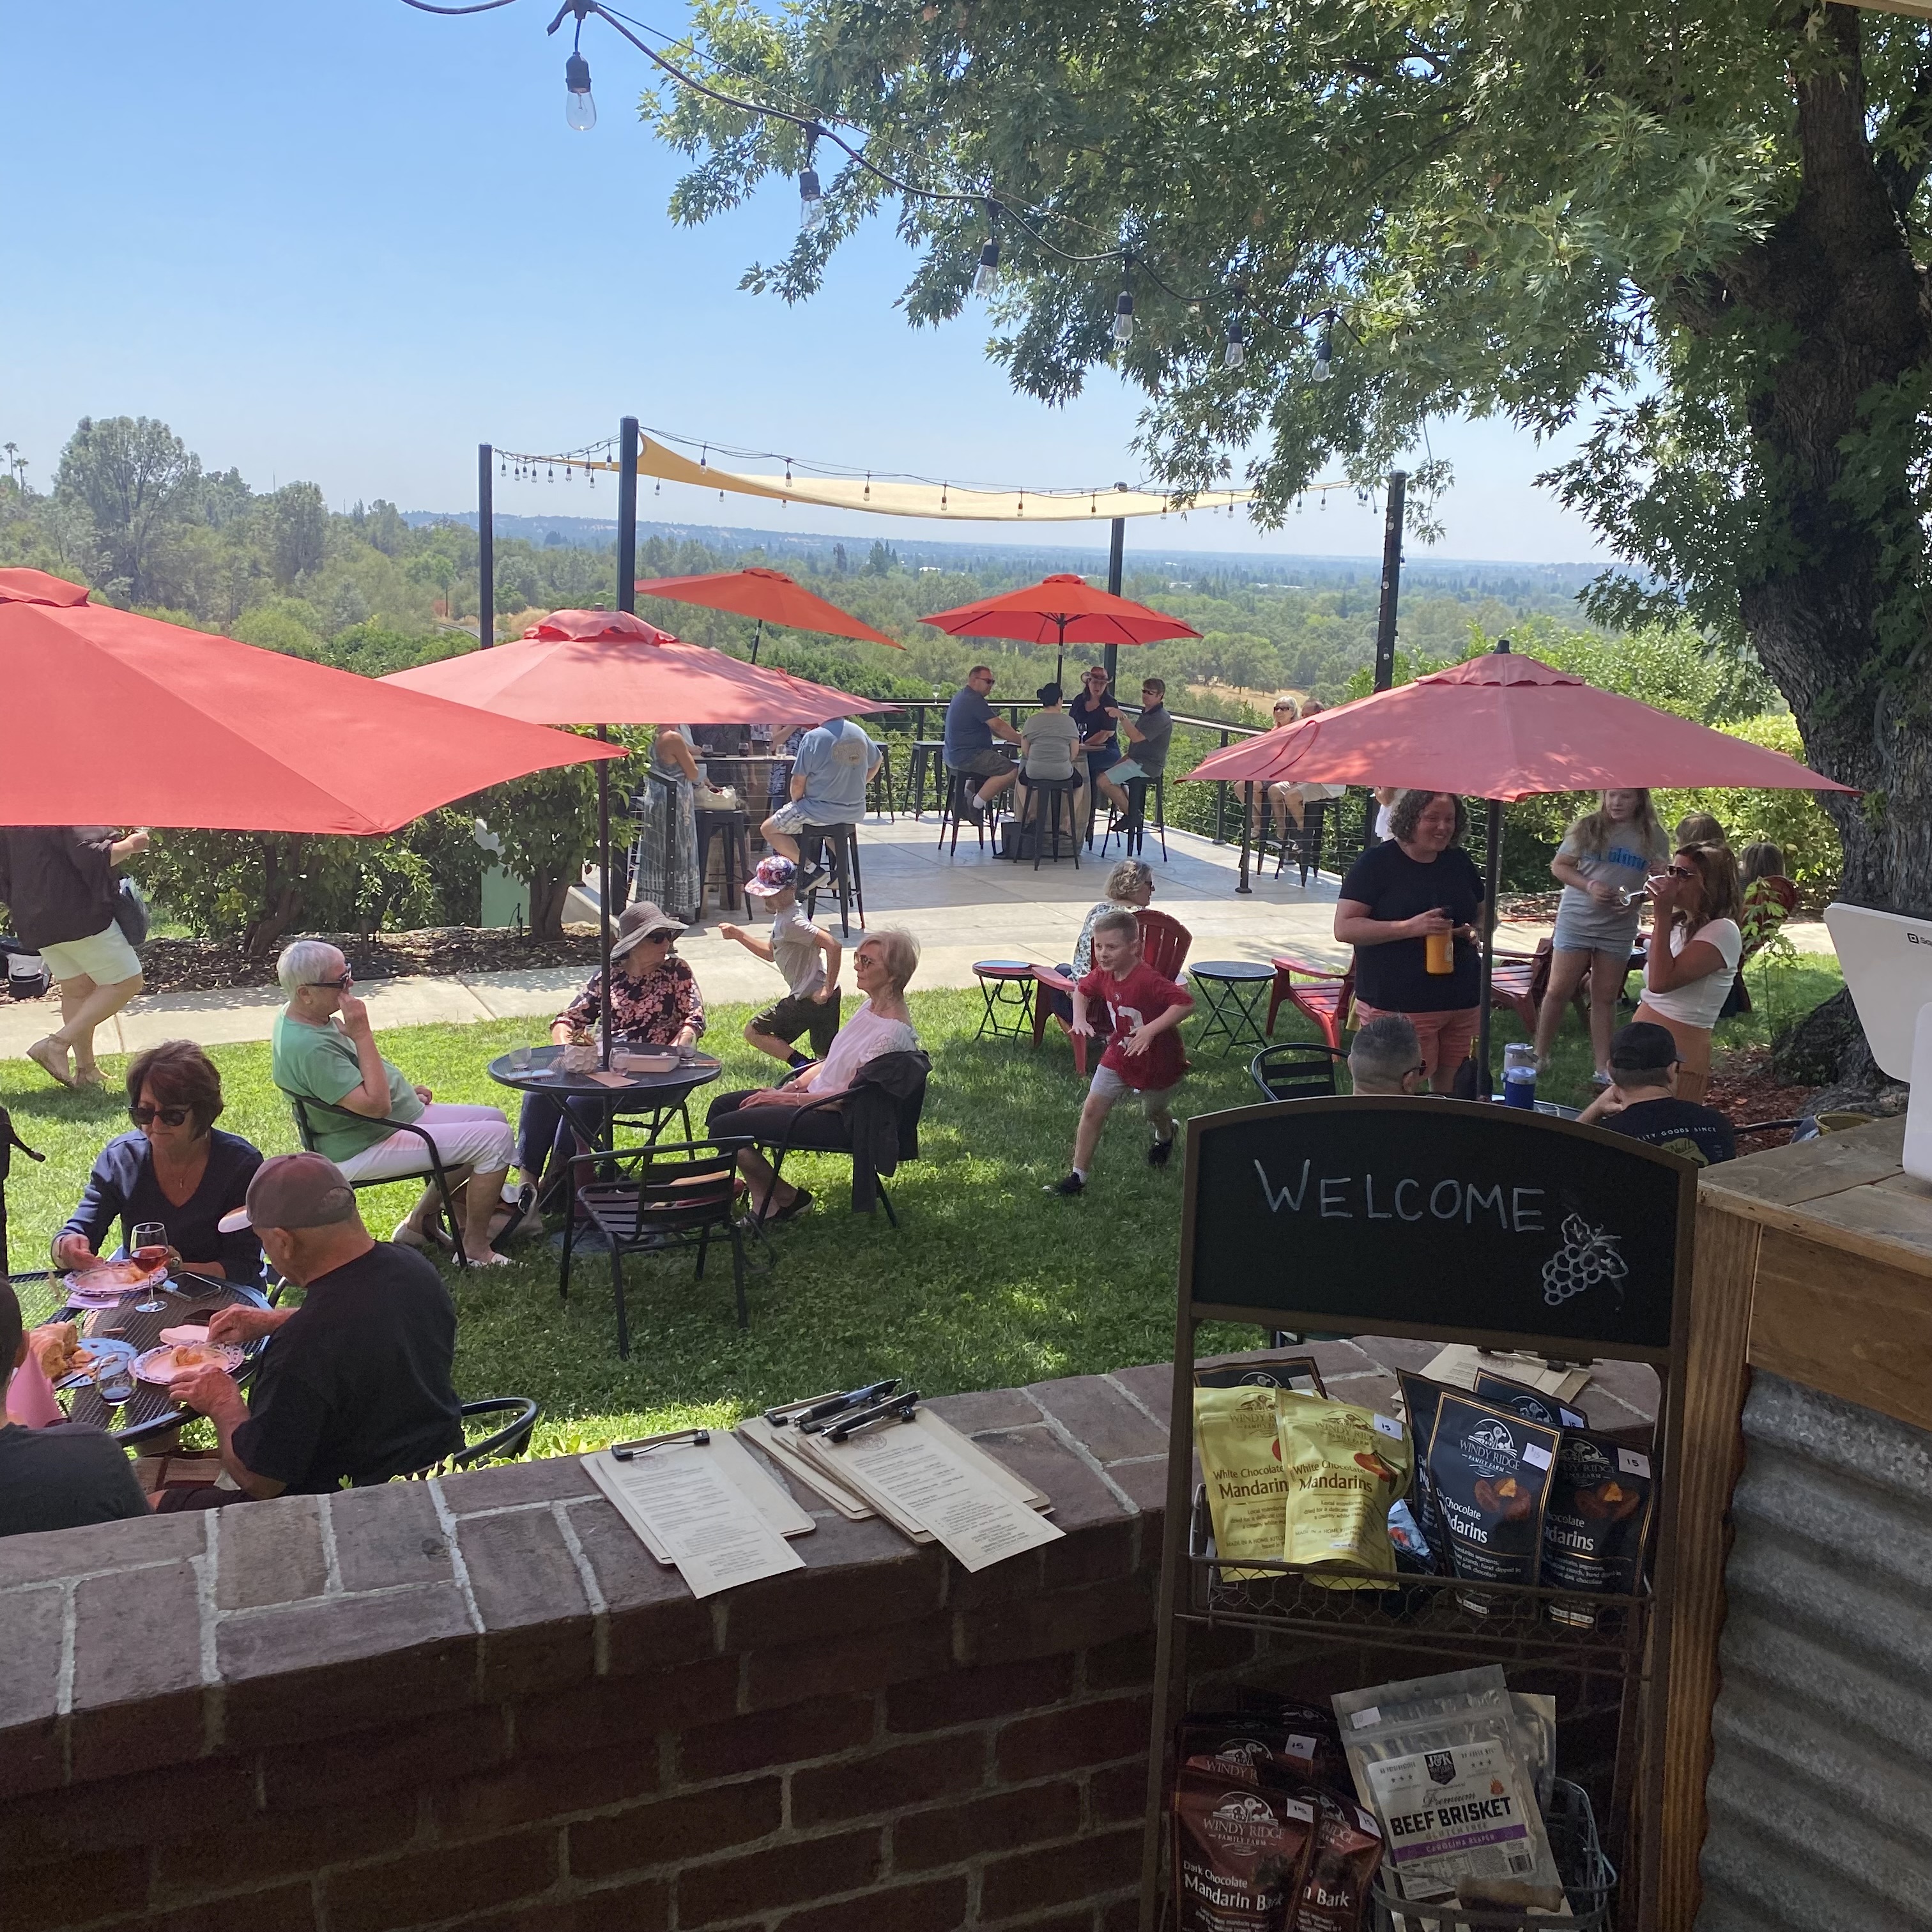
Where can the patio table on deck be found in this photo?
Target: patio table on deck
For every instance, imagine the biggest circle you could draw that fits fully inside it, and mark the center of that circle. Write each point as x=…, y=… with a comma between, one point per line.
x=151, y=1411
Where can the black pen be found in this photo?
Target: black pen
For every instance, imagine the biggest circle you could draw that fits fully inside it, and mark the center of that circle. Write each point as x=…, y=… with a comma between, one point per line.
x=815, y=1418
x=899, y=1408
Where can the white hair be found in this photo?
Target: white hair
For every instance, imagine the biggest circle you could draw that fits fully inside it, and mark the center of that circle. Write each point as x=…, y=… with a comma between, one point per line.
x=302, y=962
x=900, y=951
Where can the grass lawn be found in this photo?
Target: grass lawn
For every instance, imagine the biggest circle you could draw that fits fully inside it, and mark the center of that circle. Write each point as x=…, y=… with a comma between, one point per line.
x=989, y=1281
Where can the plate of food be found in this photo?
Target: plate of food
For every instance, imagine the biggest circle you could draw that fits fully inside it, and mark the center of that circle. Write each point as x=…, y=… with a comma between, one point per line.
x=104, y=1284
x=58, y=1348
x=164, y=1364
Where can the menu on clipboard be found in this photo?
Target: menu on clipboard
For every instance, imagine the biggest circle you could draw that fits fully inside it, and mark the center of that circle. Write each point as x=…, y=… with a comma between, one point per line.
x=698, y=1509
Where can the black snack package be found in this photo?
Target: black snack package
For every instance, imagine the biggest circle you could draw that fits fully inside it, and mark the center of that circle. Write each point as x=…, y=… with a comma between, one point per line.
x=1302, y=1744
x=1421, y=1400
x=1529, y=1403
x=1348, y=1853
x=1491, y=1472
x=1268, y=1370
x=1597, y=1521
x=1241, y=1853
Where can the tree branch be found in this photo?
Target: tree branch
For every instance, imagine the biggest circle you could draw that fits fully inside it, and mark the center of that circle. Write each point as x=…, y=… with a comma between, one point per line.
x=1905, y=144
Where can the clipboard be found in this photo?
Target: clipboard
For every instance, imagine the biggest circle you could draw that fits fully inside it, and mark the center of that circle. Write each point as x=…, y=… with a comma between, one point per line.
x=733, y=1461
x=782, y=1446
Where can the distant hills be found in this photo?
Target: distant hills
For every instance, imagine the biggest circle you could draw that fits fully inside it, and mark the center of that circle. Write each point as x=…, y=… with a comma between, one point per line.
x=600, y=533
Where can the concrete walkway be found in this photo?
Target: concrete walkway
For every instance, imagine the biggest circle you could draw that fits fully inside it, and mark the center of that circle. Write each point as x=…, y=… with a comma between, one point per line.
x=961, y=908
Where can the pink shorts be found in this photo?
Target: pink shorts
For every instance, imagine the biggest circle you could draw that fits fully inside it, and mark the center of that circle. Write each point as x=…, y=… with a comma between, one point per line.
x=1444, y=1037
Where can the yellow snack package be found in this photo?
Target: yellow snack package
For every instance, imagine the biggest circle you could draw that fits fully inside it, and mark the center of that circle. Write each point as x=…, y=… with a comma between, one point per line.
x=1235, y=1431
x=1344, y=1466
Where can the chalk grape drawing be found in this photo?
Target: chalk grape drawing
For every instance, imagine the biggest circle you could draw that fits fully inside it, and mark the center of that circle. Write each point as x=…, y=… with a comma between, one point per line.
x=1588, y=1255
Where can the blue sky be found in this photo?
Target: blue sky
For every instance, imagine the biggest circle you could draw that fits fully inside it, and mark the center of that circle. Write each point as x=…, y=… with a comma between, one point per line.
x=344, y=241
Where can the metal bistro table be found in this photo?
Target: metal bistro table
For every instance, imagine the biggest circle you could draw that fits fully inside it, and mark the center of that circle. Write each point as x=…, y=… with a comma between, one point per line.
x=591, y=1102
x=151, y=1411
x=1231, y=991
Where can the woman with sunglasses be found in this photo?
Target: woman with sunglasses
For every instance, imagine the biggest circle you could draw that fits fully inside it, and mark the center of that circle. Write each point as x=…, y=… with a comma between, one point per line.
x=176, y=1168
x=1686, y=978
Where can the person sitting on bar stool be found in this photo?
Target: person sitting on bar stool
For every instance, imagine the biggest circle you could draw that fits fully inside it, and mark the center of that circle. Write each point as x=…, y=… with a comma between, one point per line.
x=971, y=726
x=1051, y=757
x=836, y=763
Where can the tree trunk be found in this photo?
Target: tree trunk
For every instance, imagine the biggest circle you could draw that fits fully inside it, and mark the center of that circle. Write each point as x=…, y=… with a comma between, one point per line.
x=281, y=896
x=547, y=894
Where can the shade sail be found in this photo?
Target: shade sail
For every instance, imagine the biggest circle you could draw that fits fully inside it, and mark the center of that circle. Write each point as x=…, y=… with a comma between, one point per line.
x=943, y=500
x=1506, y=726
x=611, y=668
x=769, y=595
x=113, y=718
x=1061, y=610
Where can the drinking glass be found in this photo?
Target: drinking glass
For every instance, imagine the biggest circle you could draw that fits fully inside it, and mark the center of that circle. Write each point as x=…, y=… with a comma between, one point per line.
x=114, y=1378
x=520, y=1059
x=148, y=1236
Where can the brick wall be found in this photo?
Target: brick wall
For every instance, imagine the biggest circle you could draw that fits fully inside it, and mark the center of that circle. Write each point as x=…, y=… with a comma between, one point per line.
x=479, y=1704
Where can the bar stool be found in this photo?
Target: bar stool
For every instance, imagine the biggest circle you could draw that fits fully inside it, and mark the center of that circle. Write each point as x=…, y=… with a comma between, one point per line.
x=1053, y=794
x=1304, y=844
x=1132, y=829
x=843, y=840
x=962, y=787
x=881, y=786
x=927, y=753
x=730, y=828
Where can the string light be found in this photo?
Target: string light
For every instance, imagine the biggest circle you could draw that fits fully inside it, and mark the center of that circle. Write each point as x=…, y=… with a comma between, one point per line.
x=986, y=277
x=580, y=111
x=1234, y=356
x=1123, y=319
x=811, y=196
x=1325, y=349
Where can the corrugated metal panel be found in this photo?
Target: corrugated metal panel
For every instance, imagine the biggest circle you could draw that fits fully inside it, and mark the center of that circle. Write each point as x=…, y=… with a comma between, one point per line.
x=1820, y=1793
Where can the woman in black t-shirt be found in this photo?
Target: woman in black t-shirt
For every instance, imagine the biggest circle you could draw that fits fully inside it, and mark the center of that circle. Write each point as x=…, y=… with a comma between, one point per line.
x=1395, y=897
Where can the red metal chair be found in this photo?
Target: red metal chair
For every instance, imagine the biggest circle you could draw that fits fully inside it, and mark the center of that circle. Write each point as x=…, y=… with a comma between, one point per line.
x=1164, y=944
x=1318, y=994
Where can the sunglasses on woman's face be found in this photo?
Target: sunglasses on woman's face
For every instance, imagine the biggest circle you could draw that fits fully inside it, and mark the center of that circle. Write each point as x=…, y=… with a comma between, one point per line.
x=335, y=985
x=169, y=1116
x=1680, y=872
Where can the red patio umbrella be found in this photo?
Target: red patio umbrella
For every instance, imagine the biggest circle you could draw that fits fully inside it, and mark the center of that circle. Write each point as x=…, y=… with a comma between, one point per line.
x=770, y=596
x=1060, y=610
x=605, y=667
x=1501, y=727
x=113, y=718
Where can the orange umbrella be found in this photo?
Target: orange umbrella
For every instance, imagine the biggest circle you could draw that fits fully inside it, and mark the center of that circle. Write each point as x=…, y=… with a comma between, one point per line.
x=1060, y=610
x=771, y=597
x=178, y=728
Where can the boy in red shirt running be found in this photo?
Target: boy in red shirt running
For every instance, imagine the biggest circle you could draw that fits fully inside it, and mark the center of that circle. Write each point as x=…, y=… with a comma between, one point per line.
x=1144, y=1055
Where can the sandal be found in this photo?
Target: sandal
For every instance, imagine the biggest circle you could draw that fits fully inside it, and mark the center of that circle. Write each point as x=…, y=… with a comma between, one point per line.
x=36, y=1053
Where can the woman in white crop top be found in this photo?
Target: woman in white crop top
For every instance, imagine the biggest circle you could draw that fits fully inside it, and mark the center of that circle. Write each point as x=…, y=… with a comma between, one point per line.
x=1695, y=945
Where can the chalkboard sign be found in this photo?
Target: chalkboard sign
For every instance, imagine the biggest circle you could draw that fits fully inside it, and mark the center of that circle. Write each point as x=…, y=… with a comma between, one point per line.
x=1442, y=1217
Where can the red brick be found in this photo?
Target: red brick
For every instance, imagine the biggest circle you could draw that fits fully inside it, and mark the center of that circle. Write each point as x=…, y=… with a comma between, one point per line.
x=1072, y=1739
x=677, y=1828
x=651, y=1622
x=1101, y=1552
x=863, y=1663
x=1096, y=1412
x=536, y=1622
x=32, y=1753
x=47, y=1554
x=388, y=1536
x=288, y=1908
x=1125, y=1664
x=889, y=1781
x=980, y=1409
x=137, y=1699
x=271, y=1552
x=1074, y=1619
x=1123, y=1915
x=430, y=1886
x=859, y=1576
x=938, y=1905
x=1086, y=1869
x=1080, y=1498
x=1151, y=1384
x=641, y=1907
x=549, y=1787
x=1145, y=1480
x=627, y=1710
x=967, y=1697
x=75, y=1822
x=193, y=1862
x=397, y=1757
x=48, y=1896
x=951, y=1833
x=507, y=1485
x=813, y=1868
x=818, y=1728
x=1118, y=1796
x=345, y=1663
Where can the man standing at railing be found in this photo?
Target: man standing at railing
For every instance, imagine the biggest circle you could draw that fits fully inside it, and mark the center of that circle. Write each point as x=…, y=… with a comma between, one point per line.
x=971, y=726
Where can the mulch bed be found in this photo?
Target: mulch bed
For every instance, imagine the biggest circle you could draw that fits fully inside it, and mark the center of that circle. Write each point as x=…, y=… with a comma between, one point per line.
x=1744, y=1087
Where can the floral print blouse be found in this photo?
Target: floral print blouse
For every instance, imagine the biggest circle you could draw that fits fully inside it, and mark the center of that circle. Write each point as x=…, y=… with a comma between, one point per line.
x=650, y=1011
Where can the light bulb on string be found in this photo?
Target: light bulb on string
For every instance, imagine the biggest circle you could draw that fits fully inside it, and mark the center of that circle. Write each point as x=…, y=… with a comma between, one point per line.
x=1325, y=348
x=1235, y=354
x=811, y=196
x=580, y=111
x=1123, y=319
x=986, y=277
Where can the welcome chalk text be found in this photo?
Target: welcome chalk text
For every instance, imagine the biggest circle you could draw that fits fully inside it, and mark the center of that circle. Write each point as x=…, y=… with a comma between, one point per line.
x=1369, y=1197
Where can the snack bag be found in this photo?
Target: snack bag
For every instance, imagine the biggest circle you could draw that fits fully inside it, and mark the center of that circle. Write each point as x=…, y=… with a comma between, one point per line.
x=1490, y=1471
x=1527, y=1403
x=1348, y=1853
x=1266, y=1369
x=1596, y=1521
x=1345, y=1467
x=1247, y=1745
x=1420, y=1399
x=1241, y=1853
x=1241, y=1464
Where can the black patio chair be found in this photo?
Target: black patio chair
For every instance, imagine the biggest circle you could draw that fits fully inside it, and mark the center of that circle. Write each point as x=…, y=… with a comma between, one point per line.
x=431, y=1169
x=1297, y=1069
x=883, y=1107
x=506, y=1445
x=656, y=1200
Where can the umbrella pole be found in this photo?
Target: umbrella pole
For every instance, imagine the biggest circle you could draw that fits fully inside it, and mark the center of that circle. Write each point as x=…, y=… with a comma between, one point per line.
x=758, y=638
x=603, y=894
x=1492, y=882
x=1247, y=820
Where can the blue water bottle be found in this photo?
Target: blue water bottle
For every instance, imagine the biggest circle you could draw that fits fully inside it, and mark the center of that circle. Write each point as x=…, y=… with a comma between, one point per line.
x=1520, y=1074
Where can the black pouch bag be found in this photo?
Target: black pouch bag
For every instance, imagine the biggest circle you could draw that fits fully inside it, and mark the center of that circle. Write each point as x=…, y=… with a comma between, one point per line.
x=1491, y=1473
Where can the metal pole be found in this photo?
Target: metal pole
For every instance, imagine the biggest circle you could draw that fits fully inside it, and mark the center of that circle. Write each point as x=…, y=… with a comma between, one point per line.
x=1247, y=820
x=1110, y=657
x=1492, y=876
x=486, y=545
x=1385, y=615
x=604, y=892
x=627, y=513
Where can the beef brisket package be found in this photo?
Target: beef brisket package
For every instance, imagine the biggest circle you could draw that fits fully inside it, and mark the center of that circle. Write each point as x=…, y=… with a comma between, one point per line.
x=1241, y=1853
x=1489, y=1473
x=1598, y=1517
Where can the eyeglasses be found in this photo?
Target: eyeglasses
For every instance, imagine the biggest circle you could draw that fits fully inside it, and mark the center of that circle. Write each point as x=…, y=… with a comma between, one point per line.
x=1095, y=677
x=1280, y=708
x=335, y=985
x=169, y=1116
x=1680, y=872
x=659, y=938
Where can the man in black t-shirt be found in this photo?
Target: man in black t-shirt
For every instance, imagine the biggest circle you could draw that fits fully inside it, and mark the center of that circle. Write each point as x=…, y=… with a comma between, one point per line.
x=356, y=1386
x=1641, y=1099
x=62, y=1476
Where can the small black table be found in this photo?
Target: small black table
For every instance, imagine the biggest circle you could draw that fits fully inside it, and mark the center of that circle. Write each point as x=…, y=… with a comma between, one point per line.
x=1231, y=992
x=591, y=1103
x=1006, y=986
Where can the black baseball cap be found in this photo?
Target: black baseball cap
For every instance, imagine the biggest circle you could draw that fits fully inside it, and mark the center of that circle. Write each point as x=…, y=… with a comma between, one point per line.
x=1642, y=1047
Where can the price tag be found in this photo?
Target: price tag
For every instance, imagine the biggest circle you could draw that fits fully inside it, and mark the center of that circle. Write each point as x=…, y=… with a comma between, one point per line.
x=1536, y=1455
x=1386, y=1425
x=1632, y=1463
x=1368, y=1715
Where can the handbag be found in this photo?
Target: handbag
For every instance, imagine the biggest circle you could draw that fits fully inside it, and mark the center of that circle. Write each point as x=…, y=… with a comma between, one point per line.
x=130, y=912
